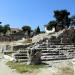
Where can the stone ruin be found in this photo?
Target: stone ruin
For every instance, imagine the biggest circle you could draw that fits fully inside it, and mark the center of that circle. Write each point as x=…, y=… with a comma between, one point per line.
x=34, y=56
x=48, y=49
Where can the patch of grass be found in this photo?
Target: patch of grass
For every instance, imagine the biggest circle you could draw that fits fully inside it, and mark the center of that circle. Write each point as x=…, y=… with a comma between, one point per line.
x=23, y=67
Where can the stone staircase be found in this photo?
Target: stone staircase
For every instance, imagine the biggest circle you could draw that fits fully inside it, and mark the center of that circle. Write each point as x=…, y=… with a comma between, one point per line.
x=49, y=54
x=57, y=54
x=49, y=51
x=21, y=56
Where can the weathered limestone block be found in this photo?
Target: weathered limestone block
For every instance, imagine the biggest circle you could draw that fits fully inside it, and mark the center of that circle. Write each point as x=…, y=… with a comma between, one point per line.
x=34, y=56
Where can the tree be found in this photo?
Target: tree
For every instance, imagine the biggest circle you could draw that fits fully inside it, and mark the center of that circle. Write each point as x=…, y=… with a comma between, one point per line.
x=0, y=22
x=37, y=30
x=51, y=24
x=1, y=28
x=26, y=29
x=62, y=17
x=6, y=28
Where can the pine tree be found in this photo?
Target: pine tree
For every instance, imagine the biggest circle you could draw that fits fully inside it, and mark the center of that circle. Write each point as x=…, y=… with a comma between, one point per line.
x=38, y=30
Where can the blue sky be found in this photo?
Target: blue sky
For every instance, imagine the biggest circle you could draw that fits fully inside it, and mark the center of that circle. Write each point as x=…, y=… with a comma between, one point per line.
x=32, y=12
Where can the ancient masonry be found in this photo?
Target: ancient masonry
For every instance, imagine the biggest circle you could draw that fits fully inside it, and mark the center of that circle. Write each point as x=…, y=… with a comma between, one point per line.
x=44, y=51
x=57, y=47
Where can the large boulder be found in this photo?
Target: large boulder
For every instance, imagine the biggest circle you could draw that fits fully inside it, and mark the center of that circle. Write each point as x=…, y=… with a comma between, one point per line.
x=34, y=56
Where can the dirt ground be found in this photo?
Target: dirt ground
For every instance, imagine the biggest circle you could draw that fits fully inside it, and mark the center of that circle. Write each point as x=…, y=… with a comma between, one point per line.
x=63, y=68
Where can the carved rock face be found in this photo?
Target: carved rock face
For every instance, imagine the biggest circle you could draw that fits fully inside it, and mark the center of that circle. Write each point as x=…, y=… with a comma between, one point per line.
x=35, y=56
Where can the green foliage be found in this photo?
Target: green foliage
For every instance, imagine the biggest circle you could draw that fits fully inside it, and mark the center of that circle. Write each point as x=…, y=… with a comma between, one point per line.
x=4, y=29
x=62, y=20
x=26, y=29
x=62, y=16
x=51, y=24
x=0, y=22
x=37, y=30
x=1, y=28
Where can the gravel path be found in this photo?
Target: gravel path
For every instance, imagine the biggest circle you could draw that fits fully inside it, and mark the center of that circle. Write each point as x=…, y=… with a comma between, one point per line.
x=5, y=70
